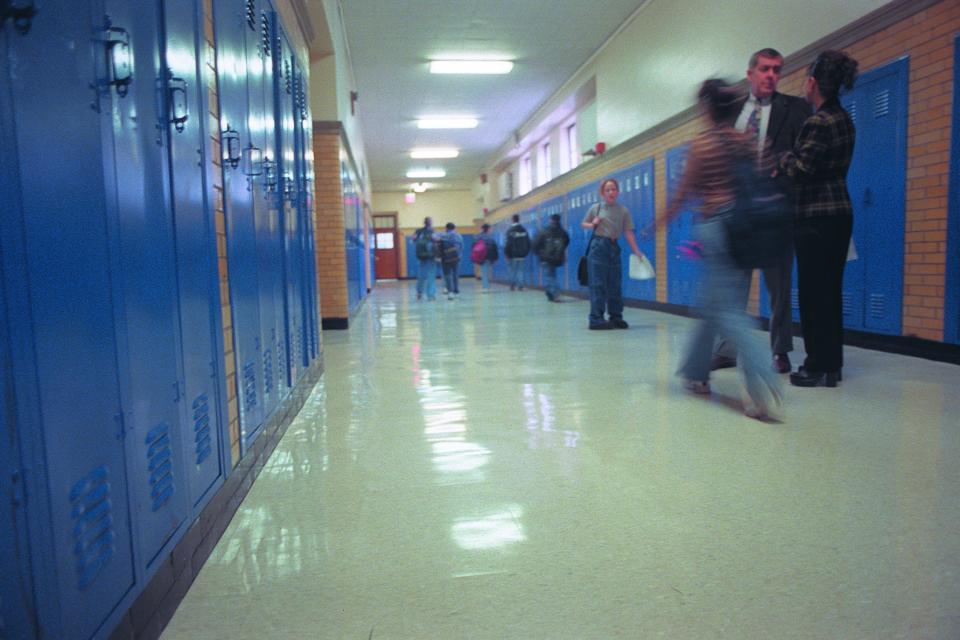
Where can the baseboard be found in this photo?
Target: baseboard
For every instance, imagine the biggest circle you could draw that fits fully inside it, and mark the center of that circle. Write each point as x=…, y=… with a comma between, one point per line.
x=336, y=324
x=154, y=607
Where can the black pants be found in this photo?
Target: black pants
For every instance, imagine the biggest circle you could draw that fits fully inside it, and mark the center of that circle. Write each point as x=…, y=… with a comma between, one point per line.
x=821, y=245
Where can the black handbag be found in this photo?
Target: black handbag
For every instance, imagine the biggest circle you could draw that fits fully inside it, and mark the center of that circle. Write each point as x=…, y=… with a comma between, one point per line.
x=583, y=271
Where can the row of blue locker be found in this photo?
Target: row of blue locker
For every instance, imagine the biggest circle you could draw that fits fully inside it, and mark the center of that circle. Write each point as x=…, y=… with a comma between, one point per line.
x=873, y=281
x=117, y=153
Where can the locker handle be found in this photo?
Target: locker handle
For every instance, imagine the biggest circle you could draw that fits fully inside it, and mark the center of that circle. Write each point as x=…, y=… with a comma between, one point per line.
x=179, y=113
x=22, y=17
x=230, y=139
x=119, y=60
x=269, y=174
x=252, y=161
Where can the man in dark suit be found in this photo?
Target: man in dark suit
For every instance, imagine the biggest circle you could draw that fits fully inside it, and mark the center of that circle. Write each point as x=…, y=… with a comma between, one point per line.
x=775, y=119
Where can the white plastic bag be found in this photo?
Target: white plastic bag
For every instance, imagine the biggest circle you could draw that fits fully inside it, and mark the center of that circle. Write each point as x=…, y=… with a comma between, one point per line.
x=640, y=268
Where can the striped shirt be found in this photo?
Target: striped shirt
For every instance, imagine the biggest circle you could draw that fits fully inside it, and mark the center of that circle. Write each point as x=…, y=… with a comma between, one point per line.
x=819, y=162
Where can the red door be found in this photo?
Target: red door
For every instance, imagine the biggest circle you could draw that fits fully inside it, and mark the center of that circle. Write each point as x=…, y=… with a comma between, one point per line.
x=385, y=256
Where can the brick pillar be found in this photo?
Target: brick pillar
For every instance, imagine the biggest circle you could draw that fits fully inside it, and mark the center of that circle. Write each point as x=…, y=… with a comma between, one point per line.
x=329, y=226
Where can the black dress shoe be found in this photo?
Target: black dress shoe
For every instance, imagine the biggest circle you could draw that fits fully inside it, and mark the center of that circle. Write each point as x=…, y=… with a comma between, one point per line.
x=814, y=378
x=601, y=326
x=619, y=323
x=803, y=369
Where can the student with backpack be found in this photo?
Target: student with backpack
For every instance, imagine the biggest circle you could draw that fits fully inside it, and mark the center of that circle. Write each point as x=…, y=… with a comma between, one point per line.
x=713, y=179
x=425, y=246
x=550, y=246
x=484, y=254
x=516, y=248
x=451, y=246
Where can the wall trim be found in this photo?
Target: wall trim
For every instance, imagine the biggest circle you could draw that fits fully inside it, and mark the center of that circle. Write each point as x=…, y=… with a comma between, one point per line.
x=951, y=299
x=154, y=607
x=335, y=324
x=869, y=24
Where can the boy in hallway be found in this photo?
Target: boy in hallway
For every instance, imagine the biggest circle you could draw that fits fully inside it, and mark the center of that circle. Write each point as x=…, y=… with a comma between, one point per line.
x=516, y=248
x=451, y=246
x=550, y=246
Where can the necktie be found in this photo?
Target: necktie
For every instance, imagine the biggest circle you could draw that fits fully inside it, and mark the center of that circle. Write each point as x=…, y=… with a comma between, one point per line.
x=753, y=123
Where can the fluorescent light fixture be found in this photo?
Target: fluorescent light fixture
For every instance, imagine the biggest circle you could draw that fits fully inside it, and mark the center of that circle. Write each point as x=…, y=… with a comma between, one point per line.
x=425, y=153
x=426, y=173
x=470, y=66
x=447, y=123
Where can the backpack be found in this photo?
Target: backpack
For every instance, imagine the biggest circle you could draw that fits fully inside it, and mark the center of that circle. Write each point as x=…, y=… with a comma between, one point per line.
x=493, y=253
x=424, y=245
x=518, y=242
x=553, y=249
x=478, y=254
x=760, y=226
x=449, y=253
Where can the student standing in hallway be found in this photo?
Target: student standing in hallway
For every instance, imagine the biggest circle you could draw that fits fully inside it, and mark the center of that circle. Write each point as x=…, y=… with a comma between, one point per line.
x=774, y=119
x=608, y=219
x=516, y=248
x=451, y=246
x=550, y=246
x=819, y=162
x=486, y=267
x=425, y=245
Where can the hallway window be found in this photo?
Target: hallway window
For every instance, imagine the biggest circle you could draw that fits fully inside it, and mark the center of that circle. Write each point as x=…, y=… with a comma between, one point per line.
x=544, y=170
x=526, y=183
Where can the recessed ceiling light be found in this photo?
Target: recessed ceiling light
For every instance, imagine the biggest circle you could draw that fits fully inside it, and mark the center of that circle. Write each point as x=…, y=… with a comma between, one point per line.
x=434, y=152
x=426, y=173
x=470, y=66
x=447, y=123
x=419, y=187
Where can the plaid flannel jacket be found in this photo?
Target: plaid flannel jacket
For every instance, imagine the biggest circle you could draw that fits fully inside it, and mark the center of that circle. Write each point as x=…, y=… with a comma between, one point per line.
x=819, y=162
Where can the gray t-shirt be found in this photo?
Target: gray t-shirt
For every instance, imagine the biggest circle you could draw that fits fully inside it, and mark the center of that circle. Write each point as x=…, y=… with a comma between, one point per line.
x=614, y=219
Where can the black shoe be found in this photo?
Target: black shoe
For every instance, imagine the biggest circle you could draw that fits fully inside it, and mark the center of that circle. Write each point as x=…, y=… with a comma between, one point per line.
x=722, y=362
x=803, y=369
x=814, y=378
x=619, y=323
x=513, y=287
x=781, y=363
x=601, y=326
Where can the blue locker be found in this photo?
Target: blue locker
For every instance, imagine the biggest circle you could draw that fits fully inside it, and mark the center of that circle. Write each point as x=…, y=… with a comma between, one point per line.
x=197, y=277
x=579, y=202
x=873, y=284
x=238, y=200
x=637, y=194
x=413, y=265
x=304, y=170
x=683, y=273
x=289, y=215
x=531, y=267
x=57, y=266
x=466, y=265
x=498, y=230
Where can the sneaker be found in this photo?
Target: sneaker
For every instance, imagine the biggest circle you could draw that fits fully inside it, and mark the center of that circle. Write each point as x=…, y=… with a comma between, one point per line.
x=601, y=326
x=449, y=296
x=781, y=363
x=619, y=323
x=697, y=386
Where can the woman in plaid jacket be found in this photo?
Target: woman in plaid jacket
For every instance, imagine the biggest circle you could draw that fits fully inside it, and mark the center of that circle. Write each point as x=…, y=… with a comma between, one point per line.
x=818, y=164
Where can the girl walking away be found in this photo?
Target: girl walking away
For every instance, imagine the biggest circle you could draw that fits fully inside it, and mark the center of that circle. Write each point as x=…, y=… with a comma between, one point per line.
x=709, y=179
x=608, y=220
x=819, y=163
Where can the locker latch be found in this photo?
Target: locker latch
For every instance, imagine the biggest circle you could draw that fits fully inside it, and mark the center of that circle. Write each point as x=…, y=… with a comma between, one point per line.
x=119, y=60
x=20, y=15
x=179, y=113
x=230, y=139
x=269, y=174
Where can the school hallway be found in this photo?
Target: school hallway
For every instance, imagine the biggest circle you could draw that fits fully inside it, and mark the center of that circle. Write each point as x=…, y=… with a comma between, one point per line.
x=489, y=468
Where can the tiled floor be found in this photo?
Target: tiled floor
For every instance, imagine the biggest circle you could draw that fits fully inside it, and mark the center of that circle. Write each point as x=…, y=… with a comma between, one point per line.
x=488, y=468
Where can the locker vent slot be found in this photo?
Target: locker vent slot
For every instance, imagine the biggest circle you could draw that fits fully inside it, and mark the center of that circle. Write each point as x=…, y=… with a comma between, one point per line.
x=877, y=304
x=93, y=535
x=852, y=110
x=265, y=33
x=252, y=15
x=847, y=305
x=881, y=104
x=267, y=371
x=287, y=80
x=249, y=386
x=160, y=465
x=281, y=359
x=794, y=300
x=201, y=428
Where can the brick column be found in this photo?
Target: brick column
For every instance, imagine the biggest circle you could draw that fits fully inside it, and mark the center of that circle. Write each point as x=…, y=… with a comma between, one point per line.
x=329, y=226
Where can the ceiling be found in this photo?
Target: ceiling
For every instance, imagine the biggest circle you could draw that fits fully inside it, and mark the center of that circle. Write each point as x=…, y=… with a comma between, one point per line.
x=391, y=42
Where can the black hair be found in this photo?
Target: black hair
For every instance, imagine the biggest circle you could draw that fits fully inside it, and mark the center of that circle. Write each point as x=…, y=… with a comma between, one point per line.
x=485, y=226
x=555, y=217
x=766, y=53
x=515, y=217
x=451, y=226
x=721, y=100
x=834, y=70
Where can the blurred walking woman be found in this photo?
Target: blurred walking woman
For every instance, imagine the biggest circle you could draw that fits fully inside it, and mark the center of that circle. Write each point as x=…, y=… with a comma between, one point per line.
x=609, y=220
x=818, y=164
x=709, y=179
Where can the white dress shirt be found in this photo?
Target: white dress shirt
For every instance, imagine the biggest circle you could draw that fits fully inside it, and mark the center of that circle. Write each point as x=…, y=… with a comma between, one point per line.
x=748, y=108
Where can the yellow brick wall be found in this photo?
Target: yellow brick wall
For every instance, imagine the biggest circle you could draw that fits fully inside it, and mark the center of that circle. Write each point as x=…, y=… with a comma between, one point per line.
x=328, y=223
x=927, y=37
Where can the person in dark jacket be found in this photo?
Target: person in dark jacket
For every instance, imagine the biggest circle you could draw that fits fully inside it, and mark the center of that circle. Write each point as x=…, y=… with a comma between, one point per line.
x=773, y=120
x=516, y=248
x=819, y=163
x=486, y=268
x=550, y=246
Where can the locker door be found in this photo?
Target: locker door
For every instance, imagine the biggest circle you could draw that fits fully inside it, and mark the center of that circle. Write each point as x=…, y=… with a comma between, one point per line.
x=150, y=370
x=187, y=117
x=304, y=181
x=854, y=276
x=878, y=193
x=233, y=21
x=413, y=265
x=57, y=260
x=645, y=209
x=683, y=273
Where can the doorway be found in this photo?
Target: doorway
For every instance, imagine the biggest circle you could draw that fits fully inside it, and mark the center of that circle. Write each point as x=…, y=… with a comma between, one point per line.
x=386, y=254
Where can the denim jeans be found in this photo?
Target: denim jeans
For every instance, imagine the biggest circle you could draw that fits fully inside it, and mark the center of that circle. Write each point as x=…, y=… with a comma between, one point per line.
x=486, y=270
x=427, y=278
x=723, y=290
x=605, y=277
x=451, y=276
x=550, y=280
x=516, y=271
